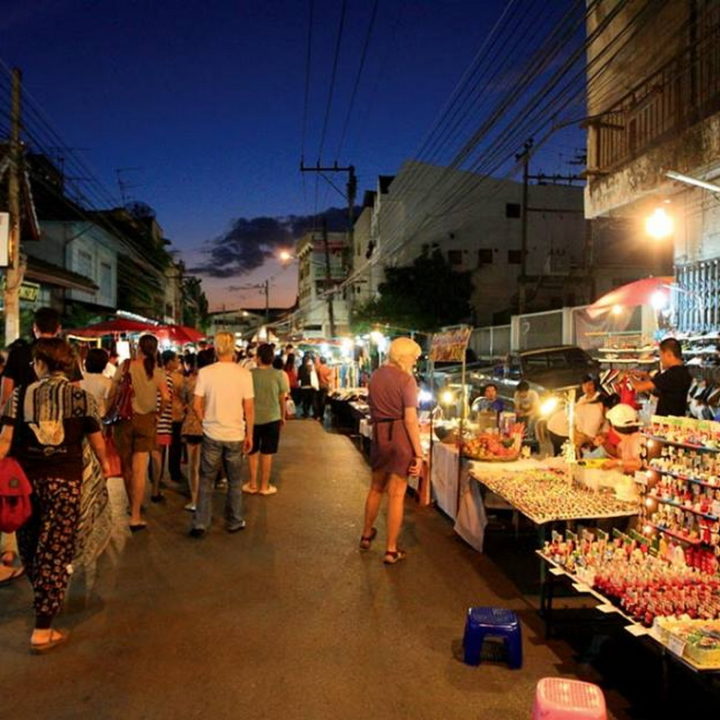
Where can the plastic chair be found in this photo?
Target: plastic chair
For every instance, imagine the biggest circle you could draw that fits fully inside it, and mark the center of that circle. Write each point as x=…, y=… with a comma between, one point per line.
x=482, y=622
x=560, y=699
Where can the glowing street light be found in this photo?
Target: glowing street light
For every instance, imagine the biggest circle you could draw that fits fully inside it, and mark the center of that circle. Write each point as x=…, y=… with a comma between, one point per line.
x=659, y=225
x=285, y=256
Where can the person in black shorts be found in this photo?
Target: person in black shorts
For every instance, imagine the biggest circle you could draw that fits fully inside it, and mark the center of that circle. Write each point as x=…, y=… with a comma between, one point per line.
x=271, y=388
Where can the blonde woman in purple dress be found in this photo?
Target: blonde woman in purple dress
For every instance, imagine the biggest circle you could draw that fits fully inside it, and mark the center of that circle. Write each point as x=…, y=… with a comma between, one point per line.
x=396, y=451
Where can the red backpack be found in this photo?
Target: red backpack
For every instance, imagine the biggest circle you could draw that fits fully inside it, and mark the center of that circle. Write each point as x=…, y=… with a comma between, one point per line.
x=15, y=491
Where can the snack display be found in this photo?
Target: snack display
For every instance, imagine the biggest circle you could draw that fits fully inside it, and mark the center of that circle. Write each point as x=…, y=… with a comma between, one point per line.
x=688, y=432
x=696, y=640
x=683, y=485
x=645, y=583
x=546, y=494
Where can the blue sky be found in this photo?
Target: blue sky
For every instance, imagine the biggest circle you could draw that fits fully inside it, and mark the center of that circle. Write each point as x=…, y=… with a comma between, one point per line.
x=206, y=99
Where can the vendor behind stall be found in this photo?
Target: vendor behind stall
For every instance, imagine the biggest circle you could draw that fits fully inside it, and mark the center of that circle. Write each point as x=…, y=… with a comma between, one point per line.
x=490, y=399
x=527, y=406
x=624, y=420
x=671, y=385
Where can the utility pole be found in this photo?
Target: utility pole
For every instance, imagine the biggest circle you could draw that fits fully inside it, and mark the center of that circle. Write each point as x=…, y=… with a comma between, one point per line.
x=350, y=194
x=522, y=284
x=328, y=278
x=15, y=271
x=266, y=286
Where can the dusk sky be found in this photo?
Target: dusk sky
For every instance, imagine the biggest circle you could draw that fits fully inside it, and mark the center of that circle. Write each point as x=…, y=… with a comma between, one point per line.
x=204, y=101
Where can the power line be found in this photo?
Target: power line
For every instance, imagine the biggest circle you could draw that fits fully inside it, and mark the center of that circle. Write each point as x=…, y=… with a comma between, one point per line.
x=357, y=79
x=331, y=89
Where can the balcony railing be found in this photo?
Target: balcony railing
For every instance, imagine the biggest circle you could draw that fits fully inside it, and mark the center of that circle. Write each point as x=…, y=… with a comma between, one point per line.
x=683, y=92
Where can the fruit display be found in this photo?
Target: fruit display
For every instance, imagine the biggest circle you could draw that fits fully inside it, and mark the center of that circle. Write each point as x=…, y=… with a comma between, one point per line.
x=545, y=494
x=493, y=446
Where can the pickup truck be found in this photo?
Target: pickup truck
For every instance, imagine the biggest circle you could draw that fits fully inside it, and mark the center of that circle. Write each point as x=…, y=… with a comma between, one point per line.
x=547, y=370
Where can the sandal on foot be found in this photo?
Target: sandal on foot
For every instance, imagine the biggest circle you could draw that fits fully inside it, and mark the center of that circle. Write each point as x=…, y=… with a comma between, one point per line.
x=14, y=574
x=57, y=637
x=270, y=490
x=366, y=540
x=249, y=489
x=394, y=556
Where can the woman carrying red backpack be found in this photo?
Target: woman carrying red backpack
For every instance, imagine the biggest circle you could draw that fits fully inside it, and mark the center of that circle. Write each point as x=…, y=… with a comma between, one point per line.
x=49, y=421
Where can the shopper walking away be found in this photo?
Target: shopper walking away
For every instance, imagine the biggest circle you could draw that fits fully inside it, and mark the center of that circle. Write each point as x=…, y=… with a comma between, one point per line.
x=171, y=361
x=395, y=451
x=163, y=432
x=192, y=431
x=270, y=387
x=224, y=402
x=95, y=382
x=50, y=418
x=671, y=385
x=308, y=382
x=135, y=436
x=292, y=378
x=325, y=386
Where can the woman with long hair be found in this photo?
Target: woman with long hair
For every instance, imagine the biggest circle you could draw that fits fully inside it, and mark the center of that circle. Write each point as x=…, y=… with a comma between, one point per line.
x=135, y=437
x=50, y=419
x=192, y=431
x=396, y=451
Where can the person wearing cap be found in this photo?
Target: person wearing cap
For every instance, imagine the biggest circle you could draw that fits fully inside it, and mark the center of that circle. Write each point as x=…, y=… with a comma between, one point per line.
x=624, y=421
x=671, y=385
x=396, y=451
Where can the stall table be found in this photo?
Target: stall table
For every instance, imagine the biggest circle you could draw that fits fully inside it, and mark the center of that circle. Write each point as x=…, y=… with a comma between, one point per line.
x=557, y=501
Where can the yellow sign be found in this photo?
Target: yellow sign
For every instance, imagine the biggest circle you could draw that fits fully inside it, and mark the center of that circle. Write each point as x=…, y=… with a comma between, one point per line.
x=450, y=346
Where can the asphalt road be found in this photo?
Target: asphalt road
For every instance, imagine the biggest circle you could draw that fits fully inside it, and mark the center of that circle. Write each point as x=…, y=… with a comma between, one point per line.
x=286, y=619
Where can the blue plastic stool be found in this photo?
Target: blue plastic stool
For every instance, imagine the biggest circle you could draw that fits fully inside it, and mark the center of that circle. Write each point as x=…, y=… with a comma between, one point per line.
x=495, y=622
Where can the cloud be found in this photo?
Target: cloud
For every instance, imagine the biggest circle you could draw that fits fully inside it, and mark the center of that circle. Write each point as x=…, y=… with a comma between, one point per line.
x=251, y=241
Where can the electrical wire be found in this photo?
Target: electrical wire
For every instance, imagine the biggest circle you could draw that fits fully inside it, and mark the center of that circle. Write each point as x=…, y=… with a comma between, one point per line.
x=356, y=84
x=331, y=89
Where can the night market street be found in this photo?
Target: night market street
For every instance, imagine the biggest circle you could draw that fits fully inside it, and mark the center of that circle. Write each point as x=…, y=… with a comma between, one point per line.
x=286, y=619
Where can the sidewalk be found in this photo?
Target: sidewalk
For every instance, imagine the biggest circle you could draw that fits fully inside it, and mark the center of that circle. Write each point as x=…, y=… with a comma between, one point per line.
x=286, y=619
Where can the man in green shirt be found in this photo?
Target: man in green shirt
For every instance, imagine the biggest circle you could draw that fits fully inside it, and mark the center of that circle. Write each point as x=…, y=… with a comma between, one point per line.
x=271, y=388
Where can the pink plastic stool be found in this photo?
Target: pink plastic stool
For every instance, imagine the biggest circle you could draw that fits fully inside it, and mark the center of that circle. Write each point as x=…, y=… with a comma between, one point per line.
x=560, y=699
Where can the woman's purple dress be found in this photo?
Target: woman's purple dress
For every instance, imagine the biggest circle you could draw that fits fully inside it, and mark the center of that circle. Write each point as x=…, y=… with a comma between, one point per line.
x=391, y=391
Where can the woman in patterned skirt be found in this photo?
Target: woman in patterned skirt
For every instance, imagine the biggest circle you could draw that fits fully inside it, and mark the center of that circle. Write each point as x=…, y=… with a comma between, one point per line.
x=51, y=418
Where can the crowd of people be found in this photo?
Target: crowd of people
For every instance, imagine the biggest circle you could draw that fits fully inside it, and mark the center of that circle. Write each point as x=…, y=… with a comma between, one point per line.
x=72, y=419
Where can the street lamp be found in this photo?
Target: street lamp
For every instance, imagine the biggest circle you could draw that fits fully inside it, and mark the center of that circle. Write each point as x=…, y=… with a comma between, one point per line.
x=659, y=225
x=286, y=256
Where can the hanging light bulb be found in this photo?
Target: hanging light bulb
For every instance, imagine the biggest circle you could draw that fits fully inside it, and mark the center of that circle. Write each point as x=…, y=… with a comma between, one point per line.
x=659, y=225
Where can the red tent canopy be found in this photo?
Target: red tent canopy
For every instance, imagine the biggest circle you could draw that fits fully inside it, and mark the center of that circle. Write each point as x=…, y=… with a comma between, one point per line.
x=640, y=292
x=113, y=327
x=180, y=334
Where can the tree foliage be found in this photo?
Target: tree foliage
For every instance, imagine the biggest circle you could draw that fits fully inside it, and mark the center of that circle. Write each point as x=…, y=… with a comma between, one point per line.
x=425, y=295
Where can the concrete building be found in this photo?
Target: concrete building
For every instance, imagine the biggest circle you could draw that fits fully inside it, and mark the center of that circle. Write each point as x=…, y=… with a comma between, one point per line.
x=477, y=223
x=312, y=318
x=656, y=108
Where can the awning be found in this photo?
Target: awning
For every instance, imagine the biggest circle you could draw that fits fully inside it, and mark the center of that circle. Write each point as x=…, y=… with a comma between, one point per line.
x=111, y=327
x=181, y=334
x=45, y=272
x=640, y=292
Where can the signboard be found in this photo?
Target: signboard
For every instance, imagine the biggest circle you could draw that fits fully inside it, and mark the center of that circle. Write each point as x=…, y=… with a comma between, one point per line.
x=29, y=291
x=450, y=345
x=4, y=239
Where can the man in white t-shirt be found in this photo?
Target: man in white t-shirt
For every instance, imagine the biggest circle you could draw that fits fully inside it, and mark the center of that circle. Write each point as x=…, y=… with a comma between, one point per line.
x=224, y=403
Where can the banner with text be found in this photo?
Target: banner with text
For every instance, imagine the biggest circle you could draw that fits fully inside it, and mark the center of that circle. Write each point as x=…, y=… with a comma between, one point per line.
x=450, y=345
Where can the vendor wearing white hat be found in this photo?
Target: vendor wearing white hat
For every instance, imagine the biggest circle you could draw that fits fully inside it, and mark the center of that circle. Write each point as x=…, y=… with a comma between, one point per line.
x=624, y=420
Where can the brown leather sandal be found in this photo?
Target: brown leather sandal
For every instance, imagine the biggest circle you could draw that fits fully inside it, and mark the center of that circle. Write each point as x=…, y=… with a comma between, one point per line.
x=394, y=556
x=366, y=540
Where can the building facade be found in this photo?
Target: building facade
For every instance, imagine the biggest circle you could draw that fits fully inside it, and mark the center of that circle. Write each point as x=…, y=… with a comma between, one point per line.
x=322, y=267
x=656, y=109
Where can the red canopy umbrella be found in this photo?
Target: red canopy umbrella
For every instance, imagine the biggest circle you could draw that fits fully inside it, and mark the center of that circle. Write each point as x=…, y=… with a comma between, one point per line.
x=640, y=292
x=114, y=327
x=180, y=334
